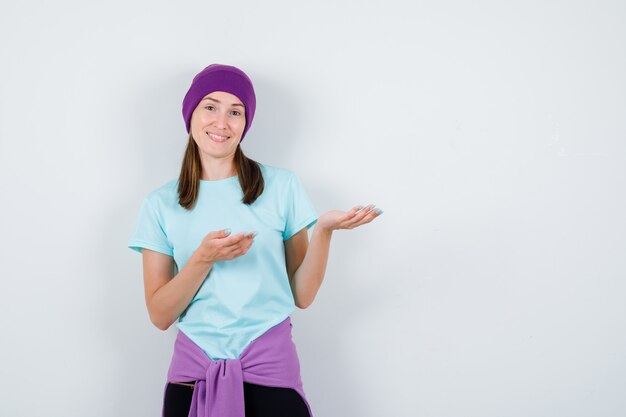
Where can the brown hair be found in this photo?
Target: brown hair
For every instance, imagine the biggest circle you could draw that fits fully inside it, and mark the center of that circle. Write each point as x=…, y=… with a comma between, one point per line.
x=248, y=170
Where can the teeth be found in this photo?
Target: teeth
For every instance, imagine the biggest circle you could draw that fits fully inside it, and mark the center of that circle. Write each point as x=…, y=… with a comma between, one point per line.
x=216, y=137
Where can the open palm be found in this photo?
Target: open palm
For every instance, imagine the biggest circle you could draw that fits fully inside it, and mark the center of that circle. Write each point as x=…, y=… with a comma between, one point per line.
x=337, y=219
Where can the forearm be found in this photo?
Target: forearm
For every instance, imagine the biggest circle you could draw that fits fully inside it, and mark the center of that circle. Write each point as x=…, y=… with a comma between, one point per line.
x=169, y=301
x=309, y=276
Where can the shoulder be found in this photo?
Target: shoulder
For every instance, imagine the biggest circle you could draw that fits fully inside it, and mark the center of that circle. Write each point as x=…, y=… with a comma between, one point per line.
x=165, y=194
x=276, y=174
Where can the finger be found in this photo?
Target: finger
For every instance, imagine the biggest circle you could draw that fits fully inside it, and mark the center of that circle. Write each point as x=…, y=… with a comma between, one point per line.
x=241, y=239
x=232, y=240
x=359, y=216
x=366, y=210
x=348, y=221
x=234, y=250
x=235, y=253
x=348, y=215
x=246, y=243
x=371, y=215
x=243, y=248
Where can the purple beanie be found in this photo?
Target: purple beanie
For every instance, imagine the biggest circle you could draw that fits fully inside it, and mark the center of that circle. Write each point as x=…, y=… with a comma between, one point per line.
x=218, y=77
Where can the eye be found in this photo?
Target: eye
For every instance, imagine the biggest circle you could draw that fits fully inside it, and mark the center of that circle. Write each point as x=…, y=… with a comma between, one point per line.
x=209, y=106
x=238, y=113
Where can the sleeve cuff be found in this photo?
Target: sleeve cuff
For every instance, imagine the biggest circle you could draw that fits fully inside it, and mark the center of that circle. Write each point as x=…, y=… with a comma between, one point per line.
x=136, y=245
x=308, y=223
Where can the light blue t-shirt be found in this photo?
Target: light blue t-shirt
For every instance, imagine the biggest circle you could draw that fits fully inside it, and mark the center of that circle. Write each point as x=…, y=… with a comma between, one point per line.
x=243, y=297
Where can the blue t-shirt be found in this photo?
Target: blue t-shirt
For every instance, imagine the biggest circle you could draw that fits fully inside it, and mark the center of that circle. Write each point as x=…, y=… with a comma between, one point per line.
x=241, y=298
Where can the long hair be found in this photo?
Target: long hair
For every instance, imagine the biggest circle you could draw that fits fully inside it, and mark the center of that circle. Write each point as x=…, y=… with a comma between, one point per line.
x=248, y=170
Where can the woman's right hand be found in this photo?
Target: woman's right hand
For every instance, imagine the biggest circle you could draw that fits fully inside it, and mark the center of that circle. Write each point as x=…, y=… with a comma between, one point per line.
x=220, y=246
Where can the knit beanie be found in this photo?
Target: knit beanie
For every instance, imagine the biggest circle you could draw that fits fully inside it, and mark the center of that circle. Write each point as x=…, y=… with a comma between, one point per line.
x=218, y=77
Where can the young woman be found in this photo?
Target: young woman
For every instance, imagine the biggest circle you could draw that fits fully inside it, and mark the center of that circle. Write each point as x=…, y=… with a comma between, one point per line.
x=226, y=257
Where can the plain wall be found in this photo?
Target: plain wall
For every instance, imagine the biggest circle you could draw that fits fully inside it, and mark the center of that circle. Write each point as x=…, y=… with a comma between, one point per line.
x=492, y=134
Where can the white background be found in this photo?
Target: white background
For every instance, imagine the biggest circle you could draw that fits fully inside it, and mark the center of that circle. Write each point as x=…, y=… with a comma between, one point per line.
x=492, y=134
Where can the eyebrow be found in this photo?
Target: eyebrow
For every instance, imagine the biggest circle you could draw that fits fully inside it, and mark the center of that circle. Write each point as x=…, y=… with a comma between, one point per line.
x=217, y=101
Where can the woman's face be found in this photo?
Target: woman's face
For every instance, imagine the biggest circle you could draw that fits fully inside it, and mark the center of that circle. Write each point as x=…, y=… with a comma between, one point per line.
x=217, y=123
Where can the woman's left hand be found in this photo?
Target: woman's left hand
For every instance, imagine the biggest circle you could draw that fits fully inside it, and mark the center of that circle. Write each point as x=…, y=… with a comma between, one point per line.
x=336, y=219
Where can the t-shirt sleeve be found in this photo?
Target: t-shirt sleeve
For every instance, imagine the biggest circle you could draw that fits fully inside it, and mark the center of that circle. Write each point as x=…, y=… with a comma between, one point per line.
x=148, y=232
x=300, y=210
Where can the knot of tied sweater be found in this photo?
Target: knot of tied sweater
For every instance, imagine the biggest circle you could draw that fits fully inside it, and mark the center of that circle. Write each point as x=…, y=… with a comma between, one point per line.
x=221, y=392
x=270, y=360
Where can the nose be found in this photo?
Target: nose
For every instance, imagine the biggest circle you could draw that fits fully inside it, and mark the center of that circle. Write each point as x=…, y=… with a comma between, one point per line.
x=220, y=120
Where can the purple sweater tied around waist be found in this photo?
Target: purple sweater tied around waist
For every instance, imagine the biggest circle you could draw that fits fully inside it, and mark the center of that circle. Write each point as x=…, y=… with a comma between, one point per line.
x=269, y=360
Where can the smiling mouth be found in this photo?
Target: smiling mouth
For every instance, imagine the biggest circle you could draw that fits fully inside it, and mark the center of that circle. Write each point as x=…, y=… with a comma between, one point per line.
x=217, y=138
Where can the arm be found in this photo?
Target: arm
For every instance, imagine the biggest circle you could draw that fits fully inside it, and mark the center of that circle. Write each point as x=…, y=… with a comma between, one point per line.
x=167, y=295
x=306, y=263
